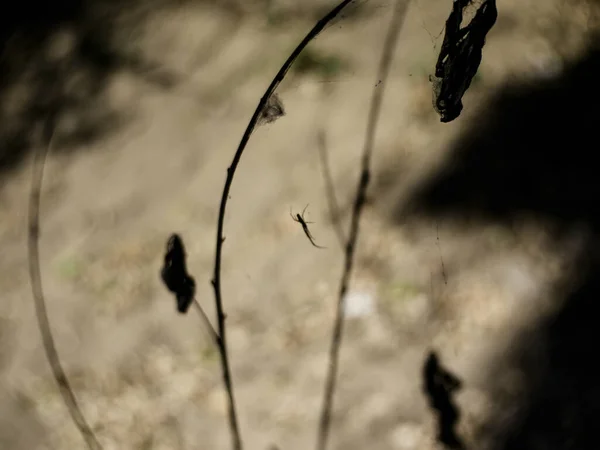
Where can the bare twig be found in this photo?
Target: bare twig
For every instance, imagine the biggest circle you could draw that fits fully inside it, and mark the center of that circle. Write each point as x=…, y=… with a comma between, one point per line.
x=375, y=109
x=38, y=293
x=334, y=208
x=216, y=281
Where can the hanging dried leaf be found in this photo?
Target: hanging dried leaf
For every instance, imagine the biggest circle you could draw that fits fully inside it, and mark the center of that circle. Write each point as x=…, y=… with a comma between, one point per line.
x=460, y=56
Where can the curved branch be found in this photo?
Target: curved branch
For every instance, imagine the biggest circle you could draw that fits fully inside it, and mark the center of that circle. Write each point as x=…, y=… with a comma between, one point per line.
x=216, y=281
x=38, y=293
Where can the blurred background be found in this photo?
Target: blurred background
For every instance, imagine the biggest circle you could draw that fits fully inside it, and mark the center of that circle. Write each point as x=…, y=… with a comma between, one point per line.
x=478, y=242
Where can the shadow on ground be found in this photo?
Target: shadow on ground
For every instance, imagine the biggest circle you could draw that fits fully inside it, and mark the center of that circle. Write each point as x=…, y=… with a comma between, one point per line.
x=533, y=153
x=60, y=56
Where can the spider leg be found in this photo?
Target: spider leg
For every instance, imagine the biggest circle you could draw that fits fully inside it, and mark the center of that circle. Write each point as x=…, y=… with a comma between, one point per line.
x=292, y=216
x=302, y=215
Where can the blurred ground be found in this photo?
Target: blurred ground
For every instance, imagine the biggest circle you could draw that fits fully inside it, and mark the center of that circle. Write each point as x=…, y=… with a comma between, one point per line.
x=478, y=233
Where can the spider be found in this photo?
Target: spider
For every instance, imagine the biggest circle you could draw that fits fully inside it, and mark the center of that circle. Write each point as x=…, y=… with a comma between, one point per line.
x=300, y=219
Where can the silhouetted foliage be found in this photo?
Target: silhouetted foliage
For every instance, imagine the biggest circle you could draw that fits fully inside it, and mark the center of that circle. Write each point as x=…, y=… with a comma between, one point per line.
x=439, y=385
x=532, y=151
x=460, y=56
x=174, y=274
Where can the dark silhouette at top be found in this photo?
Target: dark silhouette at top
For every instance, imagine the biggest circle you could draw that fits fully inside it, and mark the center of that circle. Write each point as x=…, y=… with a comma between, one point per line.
x=532, y=150
x=460, y=56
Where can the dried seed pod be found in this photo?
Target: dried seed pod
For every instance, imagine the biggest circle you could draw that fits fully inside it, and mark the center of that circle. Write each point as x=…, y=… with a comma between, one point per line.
x=174, y=274
x=272, y=111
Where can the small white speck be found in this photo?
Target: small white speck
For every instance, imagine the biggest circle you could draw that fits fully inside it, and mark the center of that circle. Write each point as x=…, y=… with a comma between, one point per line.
x=358, y=304
x=407, y=436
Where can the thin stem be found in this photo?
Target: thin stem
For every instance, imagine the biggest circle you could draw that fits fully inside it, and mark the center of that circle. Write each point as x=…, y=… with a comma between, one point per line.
x=375, y=109
x=38, y=293
x=334, y=208
x=216, y=281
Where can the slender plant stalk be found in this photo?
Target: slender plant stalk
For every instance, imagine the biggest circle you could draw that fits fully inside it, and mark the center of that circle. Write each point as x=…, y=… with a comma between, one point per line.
x=334, y=208
x=38, y=293
x=361, y=191
x=216, y=281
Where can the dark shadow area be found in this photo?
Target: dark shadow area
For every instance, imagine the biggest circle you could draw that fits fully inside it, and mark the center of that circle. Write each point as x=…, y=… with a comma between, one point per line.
x=59, y=57
x=439, y=386
x=562, y=404
x=532, y=152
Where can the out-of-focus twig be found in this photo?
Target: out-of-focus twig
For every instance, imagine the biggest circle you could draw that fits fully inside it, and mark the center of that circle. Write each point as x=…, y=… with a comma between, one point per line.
x=38, y=293
x=334, y=208
x=216, y=281
x=361, y=191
